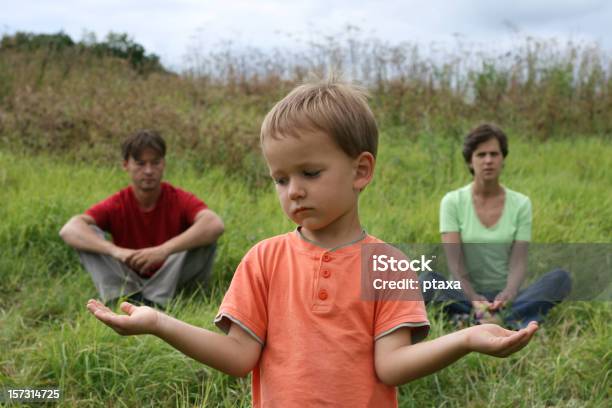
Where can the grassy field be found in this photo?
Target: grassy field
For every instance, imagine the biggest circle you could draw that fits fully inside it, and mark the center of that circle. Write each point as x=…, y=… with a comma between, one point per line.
x=63, y=111
x=47, y=339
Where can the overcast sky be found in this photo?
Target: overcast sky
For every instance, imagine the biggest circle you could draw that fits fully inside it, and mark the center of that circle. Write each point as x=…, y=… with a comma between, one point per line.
x=170, y=28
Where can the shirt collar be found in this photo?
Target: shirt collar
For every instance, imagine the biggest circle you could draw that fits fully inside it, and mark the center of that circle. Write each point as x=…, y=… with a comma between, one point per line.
x=347, y=244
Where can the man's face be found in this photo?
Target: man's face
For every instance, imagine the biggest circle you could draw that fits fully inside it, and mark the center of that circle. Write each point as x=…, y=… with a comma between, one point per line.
x=316, y=182
x=487, y=160
x=147, y=171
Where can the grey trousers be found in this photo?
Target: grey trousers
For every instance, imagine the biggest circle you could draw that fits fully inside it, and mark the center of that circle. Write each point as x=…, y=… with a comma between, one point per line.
x=114, y=279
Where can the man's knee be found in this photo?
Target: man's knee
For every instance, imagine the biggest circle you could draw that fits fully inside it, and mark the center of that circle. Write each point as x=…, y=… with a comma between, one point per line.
x=207, y=251
x=198, y=264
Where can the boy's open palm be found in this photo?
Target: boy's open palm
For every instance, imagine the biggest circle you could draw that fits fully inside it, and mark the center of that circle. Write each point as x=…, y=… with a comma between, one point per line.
x=496, y=341
x=138, y=320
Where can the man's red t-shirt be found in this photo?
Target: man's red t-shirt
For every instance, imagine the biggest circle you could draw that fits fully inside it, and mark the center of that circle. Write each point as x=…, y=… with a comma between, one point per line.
x=134, y=228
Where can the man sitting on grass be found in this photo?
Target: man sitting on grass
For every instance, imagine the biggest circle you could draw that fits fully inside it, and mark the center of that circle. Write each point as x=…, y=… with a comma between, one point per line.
x=164, y=238
x=294, y=312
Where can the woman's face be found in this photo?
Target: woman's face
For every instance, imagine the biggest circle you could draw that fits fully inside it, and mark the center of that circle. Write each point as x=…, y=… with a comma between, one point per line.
x=487, y=160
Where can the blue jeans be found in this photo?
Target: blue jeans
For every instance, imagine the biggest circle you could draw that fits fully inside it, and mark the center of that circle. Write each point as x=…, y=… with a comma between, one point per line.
x=531, y=303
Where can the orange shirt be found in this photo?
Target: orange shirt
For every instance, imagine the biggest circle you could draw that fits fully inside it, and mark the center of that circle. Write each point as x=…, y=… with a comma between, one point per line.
x=303, y=303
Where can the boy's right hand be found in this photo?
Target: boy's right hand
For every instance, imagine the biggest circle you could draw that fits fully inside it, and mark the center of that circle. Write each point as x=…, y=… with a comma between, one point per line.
x=139, y=319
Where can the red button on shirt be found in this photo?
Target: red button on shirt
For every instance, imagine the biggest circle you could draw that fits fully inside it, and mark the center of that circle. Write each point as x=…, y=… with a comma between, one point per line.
x=327, y=258
x=322, y=294
x=326, y=273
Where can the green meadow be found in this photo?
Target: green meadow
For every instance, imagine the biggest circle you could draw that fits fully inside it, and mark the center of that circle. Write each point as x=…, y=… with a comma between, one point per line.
x=49, y=340
x=64, y=108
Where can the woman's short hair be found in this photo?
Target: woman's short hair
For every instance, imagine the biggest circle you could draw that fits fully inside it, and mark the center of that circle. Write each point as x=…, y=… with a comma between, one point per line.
x=481, y=134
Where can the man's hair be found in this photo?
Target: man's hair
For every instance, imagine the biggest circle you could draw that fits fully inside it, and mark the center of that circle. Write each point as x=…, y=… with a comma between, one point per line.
x=335, y=108
x=481, y=134
x=140, y=140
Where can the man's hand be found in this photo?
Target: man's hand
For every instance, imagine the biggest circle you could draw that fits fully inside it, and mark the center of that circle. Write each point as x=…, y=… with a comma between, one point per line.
x=143, y=260
x=502, y=299
x=496, y=341
x=139, y=319
x=122, y=254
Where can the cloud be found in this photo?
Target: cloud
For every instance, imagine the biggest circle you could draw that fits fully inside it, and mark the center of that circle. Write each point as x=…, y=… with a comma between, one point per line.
x=169, y=28
x=541, y=11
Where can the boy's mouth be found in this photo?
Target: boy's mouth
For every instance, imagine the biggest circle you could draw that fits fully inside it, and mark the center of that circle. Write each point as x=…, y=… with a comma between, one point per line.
x=300, y=210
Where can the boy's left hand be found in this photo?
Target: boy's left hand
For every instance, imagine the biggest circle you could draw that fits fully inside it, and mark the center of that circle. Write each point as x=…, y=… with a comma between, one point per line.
x=496, y=341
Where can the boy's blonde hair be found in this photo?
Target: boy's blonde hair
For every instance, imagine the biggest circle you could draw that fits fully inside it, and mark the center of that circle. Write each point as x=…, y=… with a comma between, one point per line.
x=335, y=108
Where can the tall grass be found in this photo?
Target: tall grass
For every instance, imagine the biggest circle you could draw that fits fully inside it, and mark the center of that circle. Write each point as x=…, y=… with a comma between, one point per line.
x=62, y=116
x=49, y=340
x=68, y=103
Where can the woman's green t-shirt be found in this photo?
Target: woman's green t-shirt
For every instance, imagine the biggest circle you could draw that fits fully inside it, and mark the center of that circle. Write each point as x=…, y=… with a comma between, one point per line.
x=486, y=250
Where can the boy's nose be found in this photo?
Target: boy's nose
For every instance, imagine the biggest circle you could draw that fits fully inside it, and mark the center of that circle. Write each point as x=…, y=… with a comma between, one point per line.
x=296, y=191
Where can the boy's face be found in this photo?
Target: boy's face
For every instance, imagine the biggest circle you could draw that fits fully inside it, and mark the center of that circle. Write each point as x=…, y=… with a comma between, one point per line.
x=317, y=183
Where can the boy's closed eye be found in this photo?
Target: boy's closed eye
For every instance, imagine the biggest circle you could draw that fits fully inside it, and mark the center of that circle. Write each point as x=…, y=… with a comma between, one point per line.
x=281, y=181
x=311, y=174
x=306, y=173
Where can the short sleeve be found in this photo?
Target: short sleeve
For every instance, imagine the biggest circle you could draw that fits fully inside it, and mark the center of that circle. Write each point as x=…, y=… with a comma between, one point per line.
x=101, y=212
x=245, y=302
x=394, y=314
x=190, y=205
x=523, y=230
x=393, y=308
x=449, y=220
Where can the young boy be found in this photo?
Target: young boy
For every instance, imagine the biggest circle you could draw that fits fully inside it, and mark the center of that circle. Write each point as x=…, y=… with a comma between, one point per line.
x=294, y=312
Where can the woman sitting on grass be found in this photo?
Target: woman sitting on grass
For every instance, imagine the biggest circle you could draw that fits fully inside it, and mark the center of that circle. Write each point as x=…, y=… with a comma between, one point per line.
x=486, y=229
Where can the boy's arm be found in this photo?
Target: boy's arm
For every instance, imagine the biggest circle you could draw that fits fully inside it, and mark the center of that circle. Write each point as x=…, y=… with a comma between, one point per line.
x=235, y=354
x=398, y=362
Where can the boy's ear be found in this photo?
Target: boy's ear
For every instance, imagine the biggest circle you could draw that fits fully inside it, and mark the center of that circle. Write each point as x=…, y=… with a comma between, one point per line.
x=364, y=170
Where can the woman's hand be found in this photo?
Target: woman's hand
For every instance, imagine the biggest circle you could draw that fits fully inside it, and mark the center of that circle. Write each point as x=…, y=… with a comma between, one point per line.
x=480, y=303
x=502, y=299
x=139, y=319
x=496, y=341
